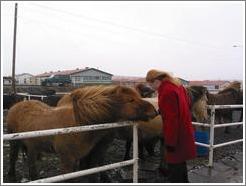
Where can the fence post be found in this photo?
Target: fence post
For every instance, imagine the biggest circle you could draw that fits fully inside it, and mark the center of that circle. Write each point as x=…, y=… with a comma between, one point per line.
x=211, y=141
x=135, y=153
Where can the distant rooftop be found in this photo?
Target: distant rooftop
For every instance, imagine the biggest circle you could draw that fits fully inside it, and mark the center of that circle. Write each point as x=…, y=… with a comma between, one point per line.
x=63, y=72
x=68, y=72
x=208, y=82
x=128, y=78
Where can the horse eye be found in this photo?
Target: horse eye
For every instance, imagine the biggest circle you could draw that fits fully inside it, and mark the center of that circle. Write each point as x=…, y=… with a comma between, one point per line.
x=131, y=100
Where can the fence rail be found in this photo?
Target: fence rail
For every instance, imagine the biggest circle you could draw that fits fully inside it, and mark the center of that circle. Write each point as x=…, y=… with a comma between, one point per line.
x=134, y=161
x=39, y=133
x=212, y=126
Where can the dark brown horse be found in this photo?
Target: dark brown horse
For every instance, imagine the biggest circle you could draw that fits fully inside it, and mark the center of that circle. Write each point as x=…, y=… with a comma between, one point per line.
x=231, y=95
x=144, y=90
x=89, y=105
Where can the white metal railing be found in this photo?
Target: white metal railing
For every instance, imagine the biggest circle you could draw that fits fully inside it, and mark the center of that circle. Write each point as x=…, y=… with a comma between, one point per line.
x=212, y=126
x=134, y=161
x=31, y=95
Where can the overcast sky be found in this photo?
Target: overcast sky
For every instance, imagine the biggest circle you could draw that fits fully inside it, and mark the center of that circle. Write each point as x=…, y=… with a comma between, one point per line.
x=193, y=40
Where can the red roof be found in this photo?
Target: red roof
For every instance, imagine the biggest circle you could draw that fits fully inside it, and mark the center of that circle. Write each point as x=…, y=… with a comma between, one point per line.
x=128, y=78
x=207, y=82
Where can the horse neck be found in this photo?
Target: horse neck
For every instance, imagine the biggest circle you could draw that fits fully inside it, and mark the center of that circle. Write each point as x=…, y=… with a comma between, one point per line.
x=221, y=99
x=65, y=115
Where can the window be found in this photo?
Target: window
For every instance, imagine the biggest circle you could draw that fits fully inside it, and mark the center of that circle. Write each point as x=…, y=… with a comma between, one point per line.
x=77, y=78
x=91, y=78
x=105, y=78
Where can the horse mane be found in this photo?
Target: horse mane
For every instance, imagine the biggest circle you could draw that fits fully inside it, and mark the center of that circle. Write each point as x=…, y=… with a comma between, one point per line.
x=234, y=86
x=93, y=103
x=196, y=92
x=198, y=96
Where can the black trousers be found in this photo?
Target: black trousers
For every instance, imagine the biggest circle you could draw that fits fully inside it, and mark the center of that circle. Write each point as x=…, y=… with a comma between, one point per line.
x=177, y=173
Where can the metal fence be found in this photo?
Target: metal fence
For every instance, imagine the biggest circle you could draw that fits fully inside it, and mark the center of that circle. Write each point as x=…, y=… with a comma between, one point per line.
x=134, y=161
x=28, y=96
x=212, y=126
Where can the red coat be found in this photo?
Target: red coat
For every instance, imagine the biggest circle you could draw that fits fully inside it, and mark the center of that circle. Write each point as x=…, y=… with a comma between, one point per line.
x=177, y=127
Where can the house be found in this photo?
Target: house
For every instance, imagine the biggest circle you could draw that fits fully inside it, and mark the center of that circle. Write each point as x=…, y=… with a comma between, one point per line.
x=24, y=79
x=79, y=76
x=7, y=80
x=130, y=81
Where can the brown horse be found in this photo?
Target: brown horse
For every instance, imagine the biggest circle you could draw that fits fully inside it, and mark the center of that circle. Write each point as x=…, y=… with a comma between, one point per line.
x=144, y=90
x=230, y=95
x=89, y=105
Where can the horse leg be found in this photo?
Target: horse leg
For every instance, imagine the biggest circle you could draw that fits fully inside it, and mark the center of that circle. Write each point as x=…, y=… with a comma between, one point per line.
x=228, y=119
x=14, y=149
x=141, y=150
x=97, y=158
x=163, y=164
x=241, y=117
x=141, y=145
x=150, y=145
x=31, y=160
x=128, y=147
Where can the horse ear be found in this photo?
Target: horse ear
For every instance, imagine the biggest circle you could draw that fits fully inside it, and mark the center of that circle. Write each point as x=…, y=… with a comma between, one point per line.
x=117, y=89
x=75, y=95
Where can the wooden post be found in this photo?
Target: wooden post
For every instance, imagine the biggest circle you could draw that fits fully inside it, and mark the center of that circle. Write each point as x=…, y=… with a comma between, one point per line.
x=14, y=49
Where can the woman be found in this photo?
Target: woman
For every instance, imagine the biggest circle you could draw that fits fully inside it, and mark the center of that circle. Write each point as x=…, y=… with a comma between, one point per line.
x=178, y=134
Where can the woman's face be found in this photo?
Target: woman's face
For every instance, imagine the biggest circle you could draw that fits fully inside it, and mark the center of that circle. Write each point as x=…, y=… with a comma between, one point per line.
x=155, y=84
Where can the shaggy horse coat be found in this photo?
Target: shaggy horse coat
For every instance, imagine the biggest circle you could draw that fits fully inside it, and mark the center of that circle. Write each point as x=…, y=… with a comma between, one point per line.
x=89, y=105
x=230, y=95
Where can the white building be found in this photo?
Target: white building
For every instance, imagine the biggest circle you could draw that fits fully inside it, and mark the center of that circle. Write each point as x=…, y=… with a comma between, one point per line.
x=90, y=76
x=24, y=79
x=79, y=76
x=7, y=80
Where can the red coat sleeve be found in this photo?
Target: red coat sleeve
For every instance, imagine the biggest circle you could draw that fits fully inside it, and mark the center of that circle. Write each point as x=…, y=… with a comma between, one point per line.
x=170, y=113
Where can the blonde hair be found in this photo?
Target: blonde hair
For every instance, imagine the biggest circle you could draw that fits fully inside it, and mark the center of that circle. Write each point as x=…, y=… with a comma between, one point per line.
x=161, y=75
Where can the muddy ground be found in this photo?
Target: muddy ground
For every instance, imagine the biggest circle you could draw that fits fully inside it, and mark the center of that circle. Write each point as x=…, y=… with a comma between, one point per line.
x=148, y=168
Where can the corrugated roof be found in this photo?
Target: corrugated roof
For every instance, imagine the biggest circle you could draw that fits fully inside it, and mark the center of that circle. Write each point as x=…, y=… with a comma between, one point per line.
x=63, y=72
x=68, y=72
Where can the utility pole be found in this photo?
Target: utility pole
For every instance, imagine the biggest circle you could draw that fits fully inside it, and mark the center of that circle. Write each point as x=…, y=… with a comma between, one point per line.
x=14, y=49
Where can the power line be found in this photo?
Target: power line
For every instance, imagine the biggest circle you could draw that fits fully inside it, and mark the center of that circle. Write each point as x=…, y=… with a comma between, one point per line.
x=126, y=27
x=59, y=28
